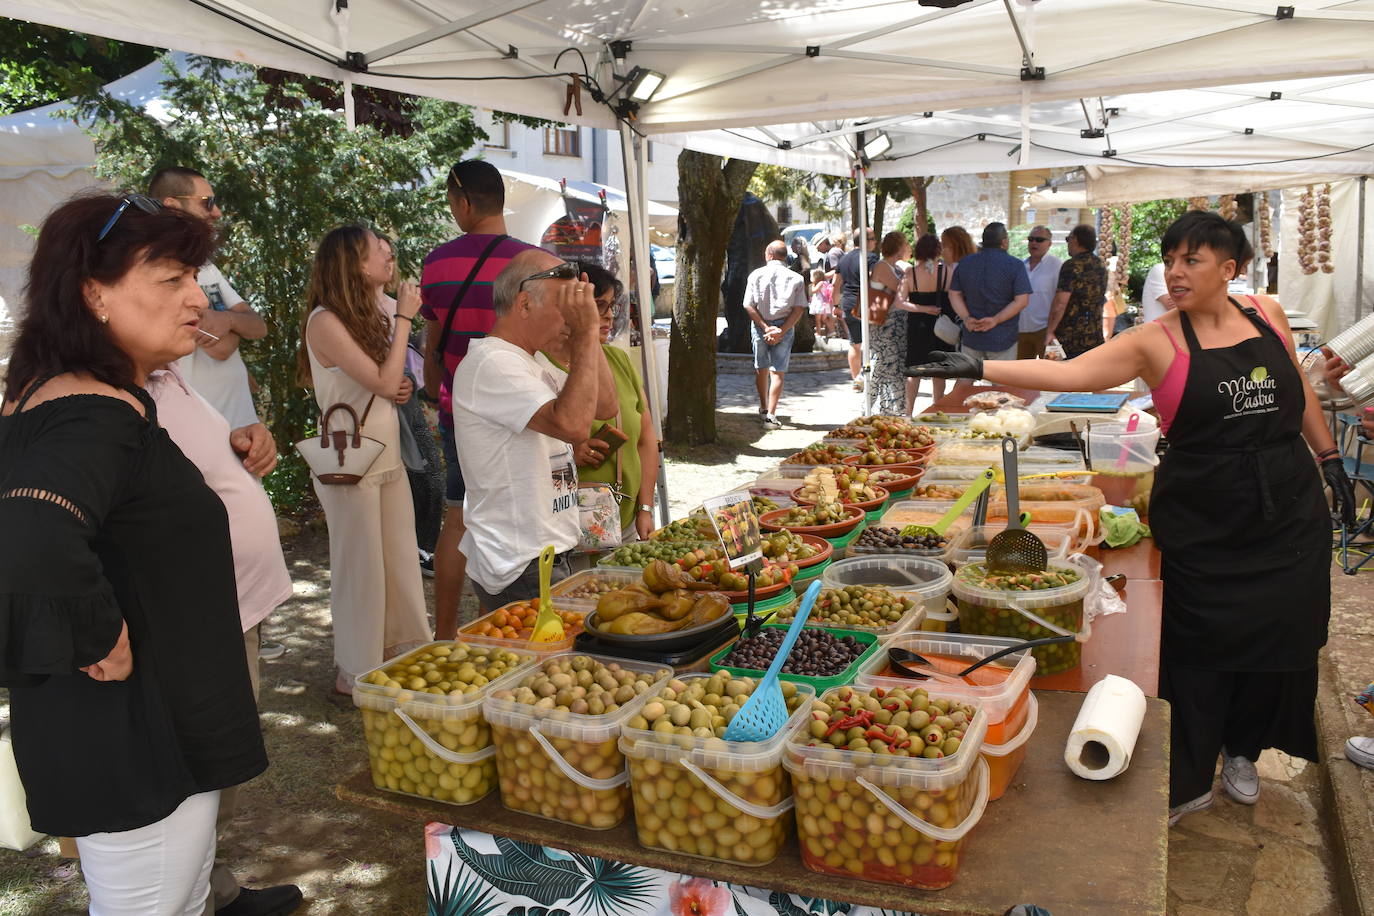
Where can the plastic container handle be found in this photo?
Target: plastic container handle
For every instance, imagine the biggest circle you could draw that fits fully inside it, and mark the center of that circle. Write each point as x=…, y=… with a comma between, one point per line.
x=570, y=771
x=1015, y=744
x=1080, y=636
x=942, y=834
x=759, y=811
x=438, y=750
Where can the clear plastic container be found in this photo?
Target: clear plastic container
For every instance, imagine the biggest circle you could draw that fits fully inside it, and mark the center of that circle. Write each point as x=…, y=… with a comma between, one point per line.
x=977, y=453
x=572, y=625
x=935, y=553
x=1003, y=687
x=430, y=746
x=581, y=591
x=912, y=617
x=921, y=808
x=1124, y=463
x=925, y=512
x=925, y=580
x=1084, y=527
x=1027, y=615
x=561, y=765
x=728, y=801
x=971, y=546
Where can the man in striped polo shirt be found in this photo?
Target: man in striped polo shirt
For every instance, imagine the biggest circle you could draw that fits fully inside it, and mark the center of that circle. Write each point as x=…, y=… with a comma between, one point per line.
x=455, y=288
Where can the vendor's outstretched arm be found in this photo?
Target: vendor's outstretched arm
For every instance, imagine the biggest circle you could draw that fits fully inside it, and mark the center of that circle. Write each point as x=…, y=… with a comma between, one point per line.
x=1116, y=362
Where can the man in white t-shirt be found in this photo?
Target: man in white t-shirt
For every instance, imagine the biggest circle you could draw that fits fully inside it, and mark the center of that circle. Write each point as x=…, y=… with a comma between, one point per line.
x=517, y=418
x=1154, y=295
x=1043, y=268
x=215, y=369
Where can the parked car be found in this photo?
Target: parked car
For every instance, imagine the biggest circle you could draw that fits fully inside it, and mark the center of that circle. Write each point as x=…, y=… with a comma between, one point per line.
x=811, y=232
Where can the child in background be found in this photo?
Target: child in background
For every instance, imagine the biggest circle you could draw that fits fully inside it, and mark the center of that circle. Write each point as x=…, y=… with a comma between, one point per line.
x=820, y=307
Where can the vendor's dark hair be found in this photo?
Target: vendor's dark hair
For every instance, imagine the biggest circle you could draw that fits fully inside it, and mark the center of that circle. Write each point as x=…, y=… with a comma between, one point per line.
x=1204, y=229
x=58, y=332
x=601, y=279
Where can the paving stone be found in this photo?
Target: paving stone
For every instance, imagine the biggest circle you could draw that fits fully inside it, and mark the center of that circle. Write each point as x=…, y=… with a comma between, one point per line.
x=1214, y=824
x=1196, y=875
x=1289, y=880
x=1279, y=766
x=1288, y=813
x=1188, y=909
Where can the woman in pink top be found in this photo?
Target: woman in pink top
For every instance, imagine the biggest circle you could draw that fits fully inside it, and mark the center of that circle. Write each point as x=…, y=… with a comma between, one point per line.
x=1237, y=509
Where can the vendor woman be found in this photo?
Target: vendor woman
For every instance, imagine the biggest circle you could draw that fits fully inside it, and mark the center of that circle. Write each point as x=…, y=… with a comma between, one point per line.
x=1237, y=509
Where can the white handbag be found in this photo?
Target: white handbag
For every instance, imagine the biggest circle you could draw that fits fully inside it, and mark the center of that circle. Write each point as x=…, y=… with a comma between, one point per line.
x=15, y=831
x=337, y=456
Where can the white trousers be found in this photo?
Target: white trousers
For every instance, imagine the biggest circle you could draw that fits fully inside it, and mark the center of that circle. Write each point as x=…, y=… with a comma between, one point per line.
x=162, y=869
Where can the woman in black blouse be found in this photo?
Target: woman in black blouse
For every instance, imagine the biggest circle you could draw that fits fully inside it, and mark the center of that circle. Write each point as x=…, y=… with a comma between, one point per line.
x=119, y=628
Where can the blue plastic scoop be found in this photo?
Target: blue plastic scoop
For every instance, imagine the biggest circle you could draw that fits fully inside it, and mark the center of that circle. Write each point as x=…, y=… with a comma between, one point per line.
x=766, y=711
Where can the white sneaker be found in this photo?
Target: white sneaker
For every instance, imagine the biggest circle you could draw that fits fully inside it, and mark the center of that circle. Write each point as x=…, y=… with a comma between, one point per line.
x=270, y=650
x=1201, y=803
x=772, y=422
x=1240, y=779
x=1360, y=751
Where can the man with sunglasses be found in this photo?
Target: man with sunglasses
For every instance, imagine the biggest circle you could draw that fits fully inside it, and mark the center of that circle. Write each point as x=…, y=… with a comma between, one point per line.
x=456, y=291
x=518, y=417
x=1043, y=268
x=215, y=370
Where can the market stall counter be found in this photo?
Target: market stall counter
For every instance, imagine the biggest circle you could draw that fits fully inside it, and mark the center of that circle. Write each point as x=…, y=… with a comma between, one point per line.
x=1071, y=845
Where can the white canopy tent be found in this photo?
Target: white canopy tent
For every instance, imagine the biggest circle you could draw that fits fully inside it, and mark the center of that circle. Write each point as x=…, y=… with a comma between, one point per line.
x=533, y=202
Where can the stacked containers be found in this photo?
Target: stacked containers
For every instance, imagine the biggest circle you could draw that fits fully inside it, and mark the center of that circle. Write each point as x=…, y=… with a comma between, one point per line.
x=580, y=591
x=539, y=650
x=925, y=580
x=1002, y=687
x=562, y=765
x=430, y=745
x=729, y=801
x=1027, y=615
x=971, y=546
x=879, y=817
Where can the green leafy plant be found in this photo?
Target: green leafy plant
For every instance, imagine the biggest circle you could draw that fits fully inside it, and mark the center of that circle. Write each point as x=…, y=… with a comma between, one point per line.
x=286, y=170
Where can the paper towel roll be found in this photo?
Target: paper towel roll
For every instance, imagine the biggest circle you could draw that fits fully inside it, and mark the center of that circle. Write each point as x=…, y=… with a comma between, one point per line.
x=1103, y=735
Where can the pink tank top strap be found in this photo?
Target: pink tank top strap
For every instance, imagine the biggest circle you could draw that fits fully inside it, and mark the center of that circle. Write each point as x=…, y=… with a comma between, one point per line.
x=1177, y=348
x=1169, y=393
x=1263, y=313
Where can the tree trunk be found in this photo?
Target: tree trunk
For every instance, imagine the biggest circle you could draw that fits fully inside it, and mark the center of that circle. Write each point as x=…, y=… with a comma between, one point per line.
x=709, y=193
x=918, y=188
x=879, y=205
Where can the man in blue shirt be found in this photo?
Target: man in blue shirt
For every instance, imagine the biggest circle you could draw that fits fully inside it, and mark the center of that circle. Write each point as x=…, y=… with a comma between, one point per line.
x=988, y=292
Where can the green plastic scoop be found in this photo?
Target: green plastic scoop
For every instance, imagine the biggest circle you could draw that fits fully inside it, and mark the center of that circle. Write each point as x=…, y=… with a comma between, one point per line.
x=971, y=492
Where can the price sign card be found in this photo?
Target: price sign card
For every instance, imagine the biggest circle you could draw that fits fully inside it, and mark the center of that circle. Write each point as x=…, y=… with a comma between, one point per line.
x=737, y=526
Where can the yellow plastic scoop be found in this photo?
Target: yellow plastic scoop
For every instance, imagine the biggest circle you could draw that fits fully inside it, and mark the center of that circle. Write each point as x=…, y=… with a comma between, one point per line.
x=548, y=627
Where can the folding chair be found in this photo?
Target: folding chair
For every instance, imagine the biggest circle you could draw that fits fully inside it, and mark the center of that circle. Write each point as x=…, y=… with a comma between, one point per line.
x=1359, y=467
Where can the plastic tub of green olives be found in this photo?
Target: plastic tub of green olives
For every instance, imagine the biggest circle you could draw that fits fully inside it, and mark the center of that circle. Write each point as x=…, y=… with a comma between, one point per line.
x=923, y=579
x=562, y=765
x=426, y=735
x=914, y=833
x=743, y=814
x=993, y=612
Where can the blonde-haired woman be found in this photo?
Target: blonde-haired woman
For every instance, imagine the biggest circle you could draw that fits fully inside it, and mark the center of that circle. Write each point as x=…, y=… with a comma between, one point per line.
x=354, y=354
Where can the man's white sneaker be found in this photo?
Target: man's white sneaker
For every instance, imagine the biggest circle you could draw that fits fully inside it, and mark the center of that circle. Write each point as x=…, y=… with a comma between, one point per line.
x=772, y=422
x=1201, y=803
x=1240, y=779
x=1360, y=751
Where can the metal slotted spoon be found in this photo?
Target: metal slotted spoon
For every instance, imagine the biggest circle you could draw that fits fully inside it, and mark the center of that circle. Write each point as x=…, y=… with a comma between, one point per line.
x=1015, y=550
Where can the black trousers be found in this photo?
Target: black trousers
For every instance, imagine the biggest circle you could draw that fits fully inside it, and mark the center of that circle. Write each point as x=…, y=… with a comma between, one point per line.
x=1243, y=711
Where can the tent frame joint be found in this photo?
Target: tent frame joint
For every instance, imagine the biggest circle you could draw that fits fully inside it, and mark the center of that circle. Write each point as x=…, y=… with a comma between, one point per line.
x=1283, y=12
x=1031, y=74
x=355, y=61
x=813, y=50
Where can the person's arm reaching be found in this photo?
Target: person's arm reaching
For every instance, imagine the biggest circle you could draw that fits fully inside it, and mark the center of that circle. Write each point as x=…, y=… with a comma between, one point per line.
x=568, y=416
x=336, y=347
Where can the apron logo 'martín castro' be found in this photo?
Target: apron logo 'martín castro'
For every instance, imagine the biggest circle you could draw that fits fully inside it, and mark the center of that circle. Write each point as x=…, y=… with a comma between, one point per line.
x=1250, y=395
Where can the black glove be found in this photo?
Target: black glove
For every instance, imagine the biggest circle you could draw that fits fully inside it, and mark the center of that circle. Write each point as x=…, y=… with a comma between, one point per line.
x=943, y=364
x=1342, y=493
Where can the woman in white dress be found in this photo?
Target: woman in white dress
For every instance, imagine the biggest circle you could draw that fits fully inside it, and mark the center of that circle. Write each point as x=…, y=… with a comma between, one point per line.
x=354, y=354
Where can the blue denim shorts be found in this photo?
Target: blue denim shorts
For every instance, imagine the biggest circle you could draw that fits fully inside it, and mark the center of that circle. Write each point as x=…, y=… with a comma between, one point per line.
x=773, y=357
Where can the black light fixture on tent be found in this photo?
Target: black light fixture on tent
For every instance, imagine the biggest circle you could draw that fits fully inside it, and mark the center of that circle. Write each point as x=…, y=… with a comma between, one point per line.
x=876, y=145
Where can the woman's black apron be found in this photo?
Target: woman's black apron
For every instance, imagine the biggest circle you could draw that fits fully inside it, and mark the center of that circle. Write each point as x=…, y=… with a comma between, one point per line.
x=1238, y=513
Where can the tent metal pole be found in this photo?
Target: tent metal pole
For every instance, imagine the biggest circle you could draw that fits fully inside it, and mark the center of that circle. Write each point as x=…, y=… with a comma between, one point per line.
x=633, y=155
x=865, y=372
x=1359, y=251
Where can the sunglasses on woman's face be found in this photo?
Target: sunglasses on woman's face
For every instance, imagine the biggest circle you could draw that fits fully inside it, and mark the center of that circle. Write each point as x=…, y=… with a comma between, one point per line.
x=565, y=271
x=144, y=203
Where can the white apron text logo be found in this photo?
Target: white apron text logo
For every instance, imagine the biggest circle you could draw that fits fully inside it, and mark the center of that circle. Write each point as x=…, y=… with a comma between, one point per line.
x=1250, y=395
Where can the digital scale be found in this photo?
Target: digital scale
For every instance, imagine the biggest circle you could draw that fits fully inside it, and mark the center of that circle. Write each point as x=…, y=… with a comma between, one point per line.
x=1108, y=402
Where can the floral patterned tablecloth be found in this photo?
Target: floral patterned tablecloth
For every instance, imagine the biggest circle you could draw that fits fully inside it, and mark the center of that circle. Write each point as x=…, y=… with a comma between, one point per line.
x=476, y=874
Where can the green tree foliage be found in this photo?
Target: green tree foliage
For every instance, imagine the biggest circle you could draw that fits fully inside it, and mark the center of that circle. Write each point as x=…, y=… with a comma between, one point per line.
x=1148, y=222
x=40, y=64
x=822, y=196
x=286, y=171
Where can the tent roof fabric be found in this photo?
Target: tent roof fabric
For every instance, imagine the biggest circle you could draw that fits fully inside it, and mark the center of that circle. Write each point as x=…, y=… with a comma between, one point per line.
x=763, y=79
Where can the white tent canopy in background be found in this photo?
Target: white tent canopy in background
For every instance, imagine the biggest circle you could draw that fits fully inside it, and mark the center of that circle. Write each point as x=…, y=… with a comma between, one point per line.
x=534, y=202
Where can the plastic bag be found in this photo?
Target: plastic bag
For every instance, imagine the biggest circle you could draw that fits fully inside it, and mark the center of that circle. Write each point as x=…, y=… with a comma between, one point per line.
x=1101, y=598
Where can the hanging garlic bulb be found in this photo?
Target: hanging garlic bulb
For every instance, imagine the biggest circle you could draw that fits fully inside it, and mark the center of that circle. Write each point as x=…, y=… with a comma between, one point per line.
x=1227, y=206
x=1266, y=229
x=1197, y=203
x=1123, y=248
x=1323, y=234
x=1104, y=238
x=1307, y=231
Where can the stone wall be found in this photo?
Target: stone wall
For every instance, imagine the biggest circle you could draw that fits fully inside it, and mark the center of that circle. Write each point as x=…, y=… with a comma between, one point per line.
x=971, y=201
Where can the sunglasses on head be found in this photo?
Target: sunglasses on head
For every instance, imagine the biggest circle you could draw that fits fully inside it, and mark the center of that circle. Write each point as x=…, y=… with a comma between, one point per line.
x=143, y=202
x=565, y=271
x=1037, y=238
